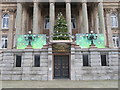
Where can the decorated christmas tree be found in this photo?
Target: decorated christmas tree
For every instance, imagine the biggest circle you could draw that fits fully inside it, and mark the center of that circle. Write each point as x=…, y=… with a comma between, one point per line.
x=60, y=28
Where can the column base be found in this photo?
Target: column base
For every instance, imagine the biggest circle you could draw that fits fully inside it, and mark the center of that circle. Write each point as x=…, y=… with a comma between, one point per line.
x=93, y=46
x=28, y=47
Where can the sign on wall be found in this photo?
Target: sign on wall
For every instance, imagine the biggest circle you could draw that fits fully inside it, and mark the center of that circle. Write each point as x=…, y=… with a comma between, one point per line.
x=37, y=43
x=83, y=42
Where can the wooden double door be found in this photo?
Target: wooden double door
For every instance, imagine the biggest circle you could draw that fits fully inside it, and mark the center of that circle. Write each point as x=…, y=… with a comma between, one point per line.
x=61, y=66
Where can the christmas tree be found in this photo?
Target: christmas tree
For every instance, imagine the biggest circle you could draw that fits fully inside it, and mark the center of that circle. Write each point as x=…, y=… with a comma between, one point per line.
x=60, y=28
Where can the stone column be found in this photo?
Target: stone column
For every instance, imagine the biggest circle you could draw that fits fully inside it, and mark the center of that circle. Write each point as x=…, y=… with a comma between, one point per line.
x=24, y=20
x=85, y=18
x=101, y=20
x=80, y=20
x=18, y=21
x=52, y=18
x=40, y=19
x=35, y=18
x=68, y=17
x=91, y=20
x=0, y=24
x=95, y=17
x=11, y=28
x=108, y=23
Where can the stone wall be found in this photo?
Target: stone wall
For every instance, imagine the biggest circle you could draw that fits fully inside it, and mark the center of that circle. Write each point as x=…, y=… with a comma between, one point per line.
x=95, y=71
x=45, y=72
x=0, y=63
x=27, y=71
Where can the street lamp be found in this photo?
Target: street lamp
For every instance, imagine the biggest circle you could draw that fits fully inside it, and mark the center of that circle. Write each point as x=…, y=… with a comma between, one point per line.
x=30, y=38
x=91, y=36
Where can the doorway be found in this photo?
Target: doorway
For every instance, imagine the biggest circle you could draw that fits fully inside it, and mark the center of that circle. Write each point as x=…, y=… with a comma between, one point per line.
x=61, y=66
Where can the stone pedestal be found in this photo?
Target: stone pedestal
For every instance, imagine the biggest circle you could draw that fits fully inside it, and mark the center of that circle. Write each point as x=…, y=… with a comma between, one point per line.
x=93, y=46
x=28, y=47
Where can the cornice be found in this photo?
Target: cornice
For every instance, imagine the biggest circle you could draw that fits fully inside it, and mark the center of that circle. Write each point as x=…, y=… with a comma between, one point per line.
x=8, y=10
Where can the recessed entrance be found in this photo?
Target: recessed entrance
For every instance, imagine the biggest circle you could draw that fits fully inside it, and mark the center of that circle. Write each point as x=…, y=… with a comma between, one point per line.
x=61, y=66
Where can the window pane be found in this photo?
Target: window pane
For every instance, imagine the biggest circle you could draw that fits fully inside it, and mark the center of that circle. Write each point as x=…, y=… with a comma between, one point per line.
x=37, y=61
x=5, y=21
x=4, y=41
x=73, y=23
x=46, y=23
x=116, y=41
x=103, y=60
x=85, y=60
x=18, y=61
x=114, y=20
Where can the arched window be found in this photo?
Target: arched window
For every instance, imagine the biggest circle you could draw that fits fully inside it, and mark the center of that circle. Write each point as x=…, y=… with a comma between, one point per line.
x=73, y=22
x=46, y=24
x=114, y=20
x=5, y=21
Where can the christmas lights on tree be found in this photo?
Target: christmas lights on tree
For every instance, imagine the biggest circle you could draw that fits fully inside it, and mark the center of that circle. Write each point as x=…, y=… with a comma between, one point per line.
x=60, y=28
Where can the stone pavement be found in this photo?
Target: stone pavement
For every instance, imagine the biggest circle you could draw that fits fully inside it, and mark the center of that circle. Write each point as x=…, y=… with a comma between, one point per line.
x=60, y=84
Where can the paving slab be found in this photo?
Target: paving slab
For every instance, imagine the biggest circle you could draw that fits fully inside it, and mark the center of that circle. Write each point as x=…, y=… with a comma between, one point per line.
x=61, y=84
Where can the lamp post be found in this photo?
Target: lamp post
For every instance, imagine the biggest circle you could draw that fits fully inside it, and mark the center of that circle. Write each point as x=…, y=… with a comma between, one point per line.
x=30, y=38
x=91, y=36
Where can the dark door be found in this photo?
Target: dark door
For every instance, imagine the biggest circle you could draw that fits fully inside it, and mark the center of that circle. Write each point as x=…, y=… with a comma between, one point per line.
x=61, y=66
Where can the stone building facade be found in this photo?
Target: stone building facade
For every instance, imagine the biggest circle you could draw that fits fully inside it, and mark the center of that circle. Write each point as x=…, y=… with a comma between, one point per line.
x=63, y=58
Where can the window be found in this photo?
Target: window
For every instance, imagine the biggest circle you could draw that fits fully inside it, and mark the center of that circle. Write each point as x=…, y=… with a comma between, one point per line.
x=116, y=41
x=4, y=42
x=18, y=60
x=86, y=60
x=5, y=21
x=114, y=20
x=104, y=60
x=37, y=60
x=46, y=25
x=73, y=22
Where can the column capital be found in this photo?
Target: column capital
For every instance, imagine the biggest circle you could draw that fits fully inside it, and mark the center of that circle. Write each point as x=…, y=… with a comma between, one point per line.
x=84, y=1
x=118, y=9
x=115, y=10
x=20, y=2
x=100, y=1
x=108, y=10
x=68, y=1
x=52, y=1
x=35, y=1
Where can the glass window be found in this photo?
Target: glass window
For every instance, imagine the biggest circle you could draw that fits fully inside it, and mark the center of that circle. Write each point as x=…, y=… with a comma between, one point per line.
x=104, y=60
x=86, y=61
x=46, y=25
x=116, y=41
x=4, y=42
x=73, y=22
x=18, y=60
x=5, y=21
x=114, y=20
x=37, y=60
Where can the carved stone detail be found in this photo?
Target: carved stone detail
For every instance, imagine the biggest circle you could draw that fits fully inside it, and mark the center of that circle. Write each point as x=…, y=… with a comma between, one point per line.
x=108, y=10
x=9, y=10
x=115, y=10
